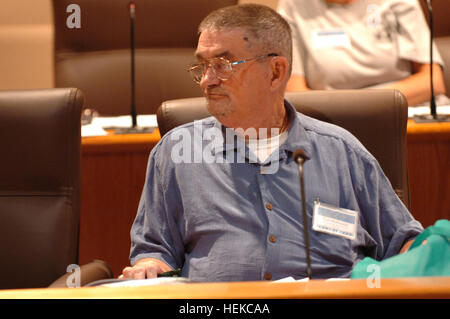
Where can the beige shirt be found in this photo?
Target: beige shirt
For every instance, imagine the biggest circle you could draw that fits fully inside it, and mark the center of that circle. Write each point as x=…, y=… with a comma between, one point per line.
x=359, y=45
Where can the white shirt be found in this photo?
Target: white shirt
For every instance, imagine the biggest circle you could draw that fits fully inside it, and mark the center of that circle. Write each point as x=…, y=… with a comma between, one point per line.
x=364, y=44
x=264, y=147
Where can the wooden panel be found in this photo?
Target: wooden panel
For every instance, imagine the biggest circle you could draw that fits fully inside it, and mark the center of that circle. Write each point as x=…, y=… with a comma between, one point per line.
x=113, y=174
x=429, y=171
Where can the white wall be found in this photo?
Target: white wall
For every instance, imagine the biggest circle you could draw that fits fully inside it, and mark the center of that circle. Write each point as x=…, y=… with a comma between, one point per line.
x=26, y=44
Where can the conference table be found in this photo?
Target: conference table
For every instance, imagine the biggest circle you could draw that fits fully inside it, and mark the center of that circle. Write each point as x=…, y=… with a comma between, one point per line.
x=392, y=288
x=113, y=172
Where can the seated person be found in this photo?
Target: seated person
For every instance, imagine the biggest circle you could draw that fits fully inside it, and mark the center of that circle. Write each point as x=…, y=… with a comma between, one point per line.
x=222, y=215
x=352, y=44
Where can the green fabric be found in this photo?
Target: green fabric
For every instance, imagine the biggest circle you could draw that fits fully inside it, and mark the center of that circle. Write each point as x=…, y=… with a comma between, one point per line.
x=430, y=259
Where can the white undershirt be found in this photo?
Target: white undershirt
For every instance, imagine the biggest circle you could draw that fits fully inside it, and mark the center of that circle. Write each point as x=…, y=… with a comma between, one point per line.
x=264, y=147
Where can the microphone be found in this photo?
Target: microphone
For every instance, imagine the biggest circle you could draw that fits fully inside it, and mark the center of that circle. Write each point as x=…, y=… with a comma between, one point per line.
x=134, y=128
x=432, y=98
x=300, y=158
x=132, y=7
x=433, y=116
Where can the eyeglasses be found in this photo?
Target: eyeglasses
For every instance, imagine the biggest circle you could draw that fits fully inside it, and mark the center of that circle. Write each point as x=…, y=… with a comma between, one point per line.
x=221, y=67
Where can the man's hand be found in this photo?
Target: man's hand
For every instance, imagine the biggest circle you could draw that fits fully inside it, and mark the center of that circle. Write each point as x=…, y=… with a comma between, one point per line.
x=145, y=268
x=408, y=244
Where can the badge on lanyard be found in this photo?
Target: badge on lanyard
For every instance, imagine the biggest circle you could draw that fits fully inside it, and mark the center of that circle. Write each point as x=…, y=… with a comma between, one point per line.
x=327, y=39
x=335, y=221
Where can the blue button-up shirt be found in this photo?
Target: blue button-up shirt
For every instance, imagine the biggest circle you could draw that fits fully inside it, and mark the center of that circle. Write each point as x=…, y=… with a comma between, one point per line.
x=209, y=208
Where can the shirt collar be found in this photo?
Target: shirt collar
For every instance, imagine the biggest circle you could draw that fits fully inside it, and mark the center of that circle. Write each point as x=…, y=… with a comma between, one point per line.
x=297, y=137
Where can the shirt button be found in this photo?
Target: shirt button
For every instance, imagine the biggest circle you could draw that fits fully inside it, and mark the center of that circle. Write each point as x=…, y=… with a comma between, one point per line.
x=269, y=206
x=272, y=239
x=267, y=276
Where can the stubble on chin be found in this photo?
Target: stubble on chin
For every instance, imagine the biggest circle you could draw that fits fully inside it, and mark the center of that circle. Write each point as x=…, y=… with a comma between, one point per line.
x=219, y=108
x=218, y=113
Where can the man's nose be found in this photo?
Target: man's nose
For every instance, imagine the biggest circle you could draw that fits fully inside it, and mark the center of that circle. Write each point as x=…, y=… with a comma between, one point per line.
x=209, y=78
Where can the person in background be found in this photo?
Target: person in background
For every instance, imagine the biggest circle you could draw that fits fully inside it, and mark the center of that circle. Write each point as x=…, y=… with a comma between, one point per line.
x=353, y=44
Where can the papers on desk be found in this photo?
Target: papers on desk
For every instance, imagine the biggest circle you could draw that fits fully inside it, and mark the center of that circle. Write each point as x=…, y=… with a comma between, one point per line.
x=177, y=280
x=306, y=279
x=92, y=130
x=99, y=124
x=139, y=282
x=291, y=279
x=125, y=121
x=422, y=110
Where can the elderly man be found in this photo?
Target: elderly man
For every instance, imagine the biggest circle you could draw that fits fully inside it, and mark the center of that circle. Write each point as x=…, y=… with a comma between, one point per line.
x=225, y=219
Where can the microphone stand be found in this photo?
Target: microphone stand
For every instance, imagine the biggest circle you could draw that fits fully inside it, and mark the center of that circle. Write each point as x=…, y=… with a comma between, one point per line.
x=133, y=91
x=300, y=158
x=433, y=116
x=134, y=129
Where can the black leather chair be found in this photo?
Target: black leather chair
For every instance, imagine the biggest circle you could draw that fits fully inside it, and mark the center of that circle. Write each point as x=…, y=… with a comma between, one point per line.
x=96, y=57
x=377, y=118
x=40, y=188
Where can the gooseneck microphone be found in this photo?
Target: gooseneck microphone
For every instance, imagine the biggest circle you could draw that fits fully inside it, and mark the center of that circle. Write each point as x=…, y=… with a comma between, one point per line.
x=300, y=158
x=132, y=7
x=432, y=97
x=433, y=116
x=134, y=129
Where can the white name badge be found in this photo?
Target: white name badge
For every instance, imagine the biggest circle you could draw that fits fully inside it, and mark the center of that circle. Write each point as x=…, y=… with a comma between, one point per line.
x=326, y=39
x=335, y=221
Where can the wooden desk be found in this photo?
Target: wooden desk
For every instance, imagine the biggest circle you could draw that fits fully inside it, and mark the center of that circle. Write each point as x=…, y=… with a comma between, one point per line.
x=113, y=173
x=429, y=170
x=427, y=287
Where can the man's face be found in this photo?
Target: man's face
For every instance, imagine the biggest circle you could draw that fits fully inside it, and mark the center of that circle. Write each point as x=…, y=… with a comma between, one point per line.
x=233, y=101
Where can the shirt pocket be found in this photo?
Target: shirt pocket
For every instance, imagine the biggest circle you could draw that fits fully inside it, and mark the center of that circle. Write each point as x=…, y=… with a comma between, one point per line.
x=331, y=255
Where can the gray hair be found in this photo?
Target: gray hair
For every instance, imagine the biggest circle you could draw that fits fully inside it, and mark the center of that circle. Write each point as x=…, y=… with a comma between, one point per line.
x=264, y=25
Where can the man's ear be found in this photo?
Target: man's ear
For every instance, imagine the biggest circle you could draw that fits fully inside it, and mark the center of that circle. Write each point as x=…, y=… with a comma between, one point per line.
x=280, y=70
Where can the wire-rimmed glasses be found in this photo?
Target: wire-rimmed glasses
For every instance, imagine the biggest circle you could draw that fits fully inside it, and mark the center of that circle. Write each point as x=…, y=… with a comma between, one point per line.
x=221, y=67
